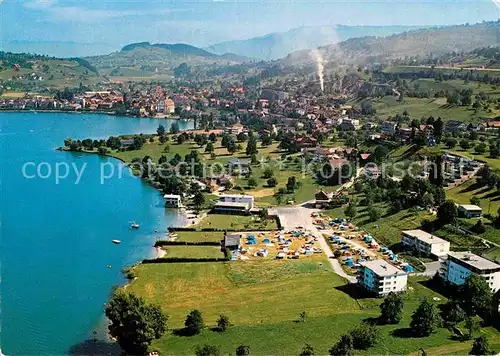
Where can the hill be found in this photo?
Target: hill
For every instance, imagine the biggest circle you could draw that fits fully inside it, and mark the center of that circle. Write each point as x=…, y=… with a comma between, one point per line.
x=416, y=44
x=26, y=72
x=278, y=45
x=146, y=59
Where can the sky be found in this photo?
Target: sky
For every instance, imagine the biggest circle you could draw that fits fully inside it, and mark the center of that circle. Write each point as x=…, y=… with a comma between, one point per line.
x=205, y=22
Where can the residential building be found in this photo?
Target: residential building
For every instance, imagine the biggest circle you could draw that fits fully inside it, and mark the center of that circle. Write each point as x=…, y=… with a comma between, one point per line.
x=306, y=142
x=425, y=243
x=388, y=127
x=453, y=126
x=381, y=278
x=172, y=200
x=469, y=211
x=349, y=124
x=322, y=199
x=461, y=265
x=369, y=126
x=238, y=166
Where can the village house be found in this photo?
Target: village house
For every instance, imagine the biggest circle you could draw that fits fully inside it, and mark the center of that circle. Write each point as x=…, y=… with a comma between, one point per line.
x=349, y=124
x=322, y=199
x=452, y=126
x=231, y=242
x=306, y=142
x=388, y=127
x=234, y=204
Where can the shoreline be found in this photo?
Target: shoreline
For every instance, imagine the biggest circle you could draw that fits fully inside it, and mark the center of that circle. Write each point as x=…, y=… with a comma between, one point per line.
x=110, y=113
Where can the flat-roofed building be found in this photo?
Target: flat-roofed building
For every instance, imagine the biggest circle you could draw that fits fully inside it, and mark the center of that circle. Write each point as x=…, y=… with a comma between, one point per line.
x=469, y=211
x=460, y=265
x=234, y=203
x=381, y=278
x=172, y=200
x=425, y=243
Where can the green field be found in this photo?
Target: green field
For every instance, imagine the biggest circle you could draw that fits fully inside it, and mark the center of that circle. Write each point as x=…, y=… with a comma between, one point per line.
x=193, y=251
x=236, y=222
x=437, y=107
x=263, y=299
x=198, y=236
x=411, y=69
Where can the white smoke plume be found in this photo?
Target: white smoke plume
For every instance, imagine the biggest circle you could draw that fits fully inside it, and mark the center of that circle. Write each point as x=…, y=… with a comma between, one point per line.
x=320, y=67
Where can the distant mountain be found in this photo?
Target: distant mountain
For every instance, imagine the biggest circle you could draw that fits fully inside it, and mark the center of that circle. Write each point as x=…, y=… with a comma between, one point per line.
x=278, y=45
x=60, y=49
x=422, y=43
x=144, y=59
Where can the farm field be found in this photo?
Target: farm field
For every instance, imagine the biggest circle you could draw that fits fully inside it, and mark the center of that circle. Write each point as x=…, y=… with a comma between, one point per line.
x=193, y=252
x=236, y=222
x=263, y=299
x=199, y=236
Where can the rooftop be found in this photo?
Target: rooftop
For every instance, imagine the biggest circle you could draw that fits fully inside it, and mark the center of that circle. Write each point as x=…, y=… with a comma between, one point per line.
x=474, y=260
x=470, y=207
x=236, y=196
x=382, y=268
x=424, y=236
x=171, y=196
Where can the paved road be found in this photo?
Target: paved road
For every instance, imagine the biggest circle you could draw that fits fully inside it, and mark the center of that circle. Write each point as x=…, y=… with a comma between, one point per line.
x=430, y=269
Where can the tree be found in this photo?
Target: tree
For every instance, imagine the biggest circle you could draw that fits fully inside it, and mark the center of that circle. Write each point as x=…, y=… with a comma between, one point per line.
x=252, y=182
x=243, y=350
x=198, y=200
x=447, y=213
x=343, y=348
x=465, y=144
x=350, y=211
x=266, y=140
x=364, y=336
x=223, y=323
x=373, y=213
x=475, y=200
x=391, y=309
x=424, y=320
x=242, y=137
x=480, y=148
x=231, y=147
x=207, y=350
x=302, y=316
x=473, y=325
x=478, y=227
x=160, y=130
x=307, y=351
x=476, y=296
x=272, y=182
x=452, y=314
x=428, y=200
x=291, y=184
x=134, y=323
x=251, y=146
x=174, y=128
x=451, y=142
x=209, y=148
x=481, y=347
x=212, y=137
x=194, y=322
x=268, y=172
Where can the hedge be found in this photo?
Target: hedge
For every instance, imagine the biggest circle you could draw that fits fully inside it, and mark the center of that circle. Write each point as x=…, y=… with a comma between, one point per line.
x=182, y=259
x=186, y=243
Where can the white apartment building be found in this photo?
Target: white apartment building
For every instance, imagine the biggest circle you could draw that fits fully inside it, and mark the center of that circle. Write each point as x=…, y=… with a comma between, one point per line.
x=426, y=243
x=172, y=200
x=381, y=278
x=235, y=203
x=461, y=265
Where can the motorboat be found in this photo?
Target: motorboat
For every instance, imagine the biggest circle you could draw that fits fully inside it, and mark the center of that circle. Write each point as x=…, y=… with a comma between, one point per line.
x=116, y=242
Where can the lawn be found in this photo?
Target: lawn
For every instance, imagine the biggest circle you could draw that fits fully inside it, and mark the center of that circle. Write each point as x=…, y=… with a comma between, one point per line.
x=273, y=291
x=263, y=299
x=193, y=251
x=418, y=107
x=462, y=194
x=199, y=236
x=236, y=222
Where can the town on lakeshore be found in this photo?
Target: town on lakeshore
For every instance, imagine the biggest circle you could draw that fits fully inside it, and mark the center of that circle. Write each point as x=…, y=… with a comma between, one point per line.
x=340, y=200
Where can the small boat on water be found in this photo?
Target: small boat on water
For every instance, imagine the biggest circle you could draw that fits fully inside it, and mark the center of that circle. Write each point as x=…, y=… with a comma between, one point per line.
x=116, y=242
x=134, y=226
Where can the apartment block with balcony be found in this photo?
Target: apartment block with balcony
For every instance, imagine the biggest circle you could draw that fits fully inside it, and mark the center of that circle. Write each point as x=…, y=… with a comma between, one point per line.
x=425, y=243
x=381, y=278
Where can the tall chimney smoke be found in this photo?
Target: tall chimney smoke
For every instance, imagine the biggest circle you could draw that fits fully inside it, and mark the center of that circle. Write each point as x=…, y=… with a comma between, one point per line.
x=320, y=67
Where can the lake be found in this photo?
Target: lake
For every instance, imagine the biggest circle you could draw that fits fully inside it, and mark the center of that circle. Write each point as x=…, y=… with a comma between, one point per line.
x=56, y=235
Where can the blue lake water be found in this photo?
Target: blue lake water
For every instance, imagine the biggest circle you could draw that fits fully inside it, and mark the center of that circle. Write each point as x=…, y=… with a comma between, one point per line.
x=56, y=238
